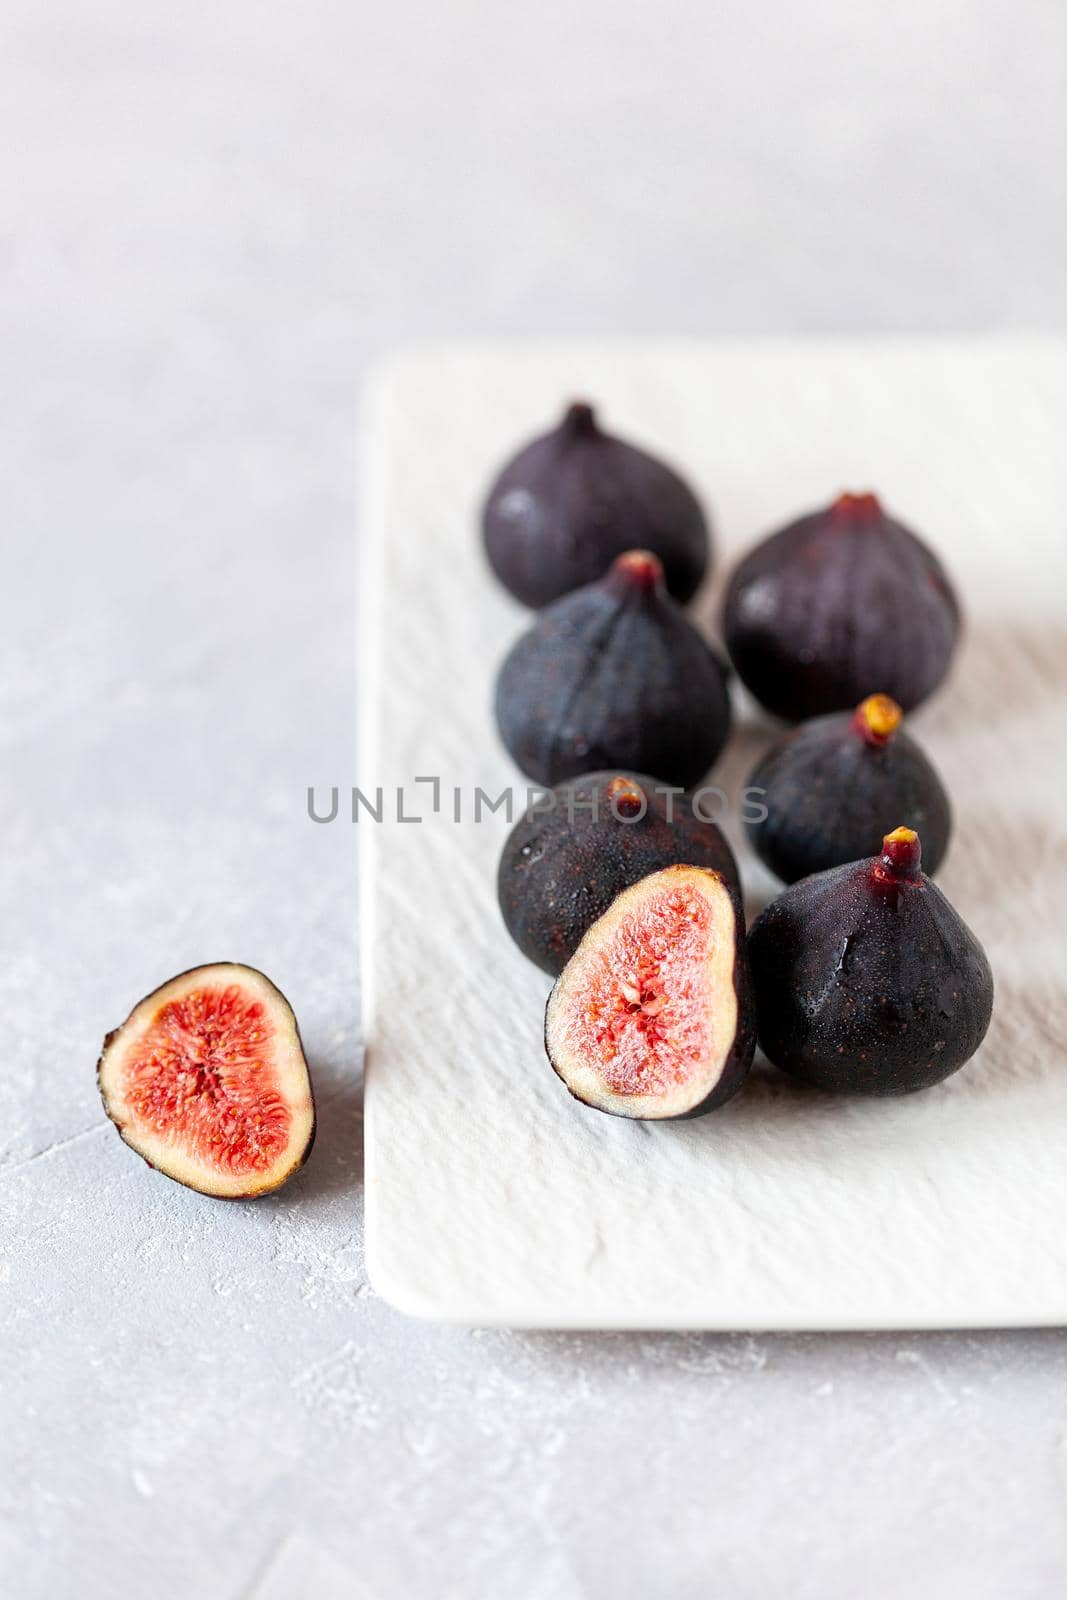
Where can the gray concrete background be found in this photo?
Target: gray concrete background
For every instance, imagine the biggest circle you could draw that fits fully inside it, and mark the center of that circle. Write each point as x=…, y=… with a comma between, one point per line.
x=212, y=218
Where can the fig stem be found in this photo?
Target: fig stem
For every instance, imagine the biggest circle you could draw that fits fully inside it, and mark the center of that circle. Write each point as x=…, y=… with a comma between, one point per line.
x=625, y=798
x=901, y=854
x=858, y=507
x=579, y=420
x=877, y=718
x=637, y=570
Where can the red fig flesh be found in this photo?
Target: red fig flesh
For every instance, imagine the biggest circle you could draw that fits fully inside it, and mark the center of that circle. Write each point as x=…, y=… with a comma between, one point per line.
x=651, y=1017
x=206, y=1079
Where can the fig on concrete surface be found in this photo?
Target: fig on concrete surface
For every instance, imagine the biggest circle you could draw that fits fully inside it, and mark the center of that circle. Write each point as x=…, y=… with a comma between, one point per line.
x=563, y=865
x=833, y=787
x=867, y=981
x=567, y=504
x=652, y=1016
x=841, y=604
x=614, y=675
x=206, y=1079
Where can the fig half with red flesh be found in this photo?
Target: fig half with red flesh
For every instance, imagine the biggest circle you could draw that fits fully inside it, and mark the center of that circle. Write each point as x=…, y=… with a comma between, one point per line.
x=206, y=1079
x=652, y=1016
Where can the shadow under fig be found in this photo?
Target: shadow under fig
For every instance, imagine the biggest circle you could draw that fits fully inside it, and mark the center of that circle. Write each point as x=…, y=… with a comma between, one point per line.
x=335, y=1165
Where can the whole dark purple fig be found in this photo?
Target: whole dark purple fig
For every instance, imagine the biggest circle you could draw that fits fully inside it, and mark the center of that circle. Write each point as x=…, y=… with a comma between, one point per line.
x=832, y=787
x=866, y=979
x=562, y=865
x=571, y=501
x=614, y=675
x=841, y=604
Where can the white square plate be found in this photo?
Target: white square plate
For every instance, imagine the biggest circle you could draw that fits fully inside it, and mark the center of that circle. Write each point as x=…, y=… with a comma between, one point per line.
x=492, y=1197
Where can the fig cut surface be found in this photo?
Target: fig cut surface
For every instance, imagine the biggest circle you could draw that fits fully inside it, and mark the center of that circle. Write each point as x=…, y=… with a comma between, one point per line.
x=206, y=1079
x=652, y=1018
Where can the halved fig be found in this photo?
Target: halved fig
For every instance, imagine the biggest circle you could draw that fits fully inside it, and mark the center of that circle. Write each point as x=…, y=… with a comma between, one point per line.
x=652, y=1016
x=206, y=1079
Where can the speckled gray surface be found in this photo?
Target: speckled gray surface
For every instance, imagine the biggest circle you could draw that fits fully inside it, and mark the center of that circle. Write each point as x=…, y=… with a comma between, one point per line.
x=210, y=222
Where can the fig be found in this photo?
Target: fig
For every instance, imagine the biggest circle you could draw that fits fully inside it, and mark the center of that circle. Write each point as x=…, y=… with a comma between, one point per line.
x=867, y=981
x=838, y=605
x=832, y=787
x=206, y=1080
x=570, y=502
x=652, y=1015
x=614, y=675
x=563, y=865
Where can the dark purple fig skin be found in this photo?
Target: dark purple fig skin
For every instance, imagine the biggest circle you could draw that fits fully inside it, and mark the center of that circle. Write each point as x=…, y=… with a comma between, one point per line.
x=831, y=794
x=742, y=1050
x=571, y=501
x=843, y=603
x=867, y=981
x=614, y=675
x=561, y=869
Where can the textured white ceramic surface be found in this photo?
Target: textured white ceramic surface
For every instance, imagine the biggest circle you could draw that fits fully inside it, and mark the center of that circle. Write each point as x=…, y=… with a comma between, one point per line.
x=494, y=1198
